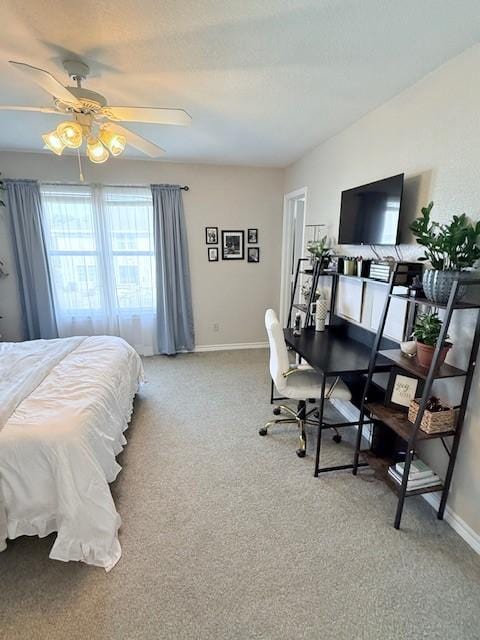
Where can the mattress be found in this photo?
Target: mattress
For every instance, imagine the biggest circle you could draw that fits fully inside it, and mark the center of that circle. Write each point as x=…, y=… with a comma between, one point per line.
x=65, y=405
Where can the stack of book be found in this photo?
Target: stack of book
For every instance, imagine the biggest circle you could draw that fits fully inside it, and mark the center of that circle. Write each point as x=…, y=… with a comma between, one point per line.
x=420, y=476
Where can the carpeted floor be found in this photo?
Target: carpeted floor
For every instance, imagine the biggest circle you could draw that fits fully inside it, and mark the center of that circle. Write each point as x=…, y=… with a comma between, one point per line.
x=228, y=535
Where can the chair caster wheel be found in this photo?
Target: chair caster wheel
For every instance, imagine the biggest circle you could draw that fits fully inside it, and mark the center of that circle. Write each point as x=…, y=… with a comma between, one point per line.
x=301, y=453
x=277, y=411
x=337, y=438
x=262, y=431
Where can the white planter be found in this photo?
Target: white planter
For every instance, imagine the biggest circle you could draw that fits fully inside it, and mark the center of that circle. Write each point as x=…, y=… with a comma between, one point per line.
x=321, y=314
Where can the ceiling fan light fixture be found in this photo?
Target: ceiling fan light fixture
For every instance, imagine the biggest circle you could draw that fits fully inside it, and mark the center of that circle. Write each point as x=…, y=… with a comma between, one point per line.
x=71, y=134
x=114, y=142
x=96, y=152
x=53, y=142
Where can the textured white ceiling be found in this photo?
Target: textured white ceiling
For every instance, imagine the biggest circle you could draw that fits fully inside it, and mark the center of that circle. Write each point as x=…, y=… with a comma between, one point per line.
x=264, y=80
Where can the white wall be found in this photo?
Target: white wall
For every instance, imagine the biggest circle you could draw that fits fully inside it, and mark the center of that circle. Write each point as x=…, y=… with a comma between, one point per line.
x=432, y=133
x=232, y=294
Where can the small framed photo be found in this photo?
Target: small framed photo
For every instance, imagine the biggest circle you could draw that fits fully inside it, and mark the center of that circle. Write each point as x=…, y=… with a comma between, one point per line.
x=253, y=254
x=233, y=245
x=252, y=235
x=211, y=235
x=213, y=254
x=401, y=389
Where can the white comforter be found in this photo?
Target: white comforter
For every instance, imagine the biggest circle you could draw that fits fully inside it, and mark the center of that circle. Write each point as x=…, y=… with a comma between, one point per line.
x=64, y=405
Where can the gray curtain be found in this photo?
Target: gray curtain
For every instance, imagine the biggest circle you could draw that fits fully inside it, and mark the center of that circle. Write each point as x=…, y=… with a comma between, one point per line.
x=174, y=296
x=25, y=208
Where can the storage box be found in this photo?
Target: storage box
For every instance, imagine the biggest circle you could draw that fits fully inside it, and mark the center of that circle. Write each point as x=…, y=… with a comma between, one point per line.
x=433, y=422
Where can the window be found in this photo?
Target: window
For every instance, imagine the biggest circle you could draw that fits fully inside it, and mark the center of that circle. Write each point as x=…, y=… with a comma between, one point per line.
x=101, y=255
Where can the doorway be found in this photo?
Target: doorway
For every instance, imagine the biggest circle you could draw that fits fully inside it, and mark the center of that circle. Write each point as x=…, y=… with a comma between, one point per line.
x=293, y=241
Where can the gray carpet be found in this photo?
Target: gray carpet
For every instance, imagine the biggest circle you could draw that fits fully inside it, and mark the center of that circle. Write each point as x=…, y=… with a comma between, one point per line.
x=228, y=535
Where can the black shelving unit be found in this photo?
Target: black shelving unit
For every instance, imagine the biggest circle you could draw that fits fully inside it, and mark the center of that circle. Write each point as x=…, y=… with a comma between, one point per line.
x=395, y=419
x=315, y=271
x=305, y=267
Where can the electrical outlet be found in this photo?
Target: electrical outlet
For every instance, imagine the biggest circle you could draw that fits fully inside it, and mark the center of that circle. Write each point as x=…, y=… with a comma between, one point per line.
x=216, y=327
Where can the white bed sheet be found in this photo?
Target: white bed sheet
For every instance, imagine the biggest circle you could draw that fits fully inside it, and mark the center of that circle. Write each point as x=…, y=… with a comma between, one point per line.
x=58, y=446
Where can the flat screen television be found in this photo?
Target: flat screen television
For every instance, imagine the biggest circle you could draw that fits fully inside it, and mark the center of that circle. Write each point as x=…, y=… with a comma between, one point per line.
x=370, y=214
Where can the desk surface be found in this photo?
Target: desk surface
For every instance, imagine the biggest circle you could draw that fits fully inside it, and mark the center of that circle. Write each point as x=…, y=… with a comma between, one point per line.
x=332, y=352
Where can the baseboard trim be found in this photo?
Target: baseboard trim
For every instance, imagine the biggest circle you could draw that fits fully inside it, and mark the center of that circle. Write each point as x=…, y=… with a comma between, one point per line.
x=230, y=347
x=471, y=537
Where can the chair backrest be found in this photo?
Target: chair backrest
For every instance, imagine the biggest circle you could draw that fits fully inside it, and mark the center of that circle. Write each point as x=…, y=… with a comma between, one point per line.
x=279, y=362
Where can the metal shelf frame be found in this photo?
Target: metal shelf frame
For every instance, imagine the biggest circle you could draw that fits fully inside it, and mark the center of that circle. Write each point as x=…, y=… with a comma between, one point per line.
x=430, y=375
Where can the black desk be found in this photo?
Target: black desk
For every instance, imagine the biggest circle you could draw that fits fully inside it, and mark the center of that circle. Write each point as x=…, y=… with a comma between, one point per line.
x=334, y=352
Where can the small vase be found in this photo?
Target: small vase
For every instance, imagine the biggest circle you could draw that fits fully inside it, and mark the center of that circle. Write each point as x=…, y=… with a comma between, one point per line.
x=438, y=284
x=425, y=354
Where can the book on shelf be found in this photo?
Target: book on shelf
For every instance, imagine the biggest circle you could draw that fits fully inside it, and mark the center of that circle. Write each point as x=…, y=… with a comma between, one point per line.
x=416, y=483
x=418, y=469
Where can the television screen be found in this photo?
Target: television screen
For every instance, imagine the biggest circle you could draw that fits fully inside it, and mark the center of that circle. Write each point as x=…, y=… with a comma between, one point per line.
x=370, y=214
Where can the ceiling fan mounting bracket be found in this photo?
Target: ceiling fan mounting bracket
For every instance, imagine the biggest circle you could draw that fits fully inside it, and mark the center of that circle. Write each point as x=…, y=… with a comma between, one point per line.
x=77, y=70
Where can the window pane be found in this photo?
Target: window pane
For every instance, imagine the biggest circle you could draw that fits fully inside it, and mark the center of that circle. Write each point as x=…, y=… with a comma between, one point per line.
x=130, y=217
x=135, y=282
x=77, y=283
x=68, y=219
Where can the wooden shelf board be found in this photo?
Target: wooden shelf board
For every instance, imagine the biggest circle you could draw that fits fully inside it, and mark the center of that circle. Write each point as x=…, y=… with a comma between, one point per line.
x=398, y=421
x=420, y=300
x=381, y=465
x=411, y=365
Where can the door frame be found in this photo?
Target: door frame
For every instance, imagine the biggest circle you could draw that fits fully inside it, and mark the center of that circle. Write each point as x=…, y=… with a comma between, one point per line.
x=288, y=223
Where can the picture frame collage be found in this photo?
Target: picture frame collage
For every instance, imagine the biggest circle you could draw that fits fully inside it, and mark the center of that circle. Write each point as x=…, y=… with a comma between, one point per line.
x=232, y=244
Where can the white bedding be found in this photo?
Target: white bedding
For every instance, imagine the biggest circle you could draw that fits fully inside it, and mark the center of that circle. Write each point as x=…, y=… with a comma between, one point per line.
x=64, y=407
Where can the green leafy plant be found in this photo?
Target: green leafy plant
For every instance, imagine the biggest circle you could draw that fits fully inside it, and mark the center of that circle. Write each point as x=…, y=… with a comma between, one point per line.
x=427, y=328
x=320, y=249
x=448, y=247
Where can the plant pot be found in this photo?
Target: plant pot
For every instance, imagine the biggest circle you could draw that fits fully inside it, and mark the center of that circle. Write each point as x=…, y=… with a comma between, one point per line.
x=425, y=354
x=438, y=284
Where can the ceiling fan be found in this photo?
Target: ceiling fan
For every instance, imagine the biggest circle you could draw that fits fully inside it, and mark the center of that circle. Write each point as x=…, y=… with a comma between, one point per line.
x=92, y=119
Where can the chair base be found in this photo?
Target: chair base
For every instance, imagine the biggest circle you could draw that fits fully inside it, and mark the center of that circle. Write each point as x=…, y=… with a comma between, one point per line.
x=300, y=418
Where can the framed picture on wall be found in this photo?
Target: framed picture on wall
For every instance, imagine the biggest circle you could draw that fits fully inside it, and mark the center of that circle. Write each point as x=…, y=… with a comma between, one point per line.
x=213, y=254
x=211, y=235
x=233, y=245
x=401, y=389
x=252, y=235
x=253, y=254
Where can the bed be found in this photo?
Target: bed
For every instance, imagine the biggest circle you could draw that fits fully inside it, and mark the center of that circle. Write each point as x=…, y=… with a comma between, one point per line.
x=64, y=405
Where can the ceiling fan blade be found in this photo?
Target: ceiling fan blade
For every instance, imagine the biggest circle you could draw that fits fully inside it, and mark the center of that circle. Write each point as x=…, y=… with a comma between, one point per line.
x=46, y=81
x=147, y=114
x=133, y=139
x=6, y=107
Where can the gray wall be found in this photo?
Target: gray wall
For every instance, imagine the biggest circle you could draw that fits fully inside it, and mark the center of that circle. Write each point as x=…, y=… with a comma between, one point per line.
x=232, y=294
x=432, y=133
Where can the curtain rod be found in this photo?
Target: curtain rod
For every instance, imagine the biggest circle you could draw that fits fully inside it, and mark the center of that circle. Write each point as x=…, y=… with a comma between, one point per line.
x=81, y=184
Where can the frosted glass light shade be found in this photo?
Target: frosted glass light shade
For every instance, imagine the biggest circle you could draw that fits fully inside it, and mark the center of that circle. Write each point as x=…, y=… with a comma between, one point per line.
x=71, y=134
x=53, y=142
x=96, y=152
x=115, y=142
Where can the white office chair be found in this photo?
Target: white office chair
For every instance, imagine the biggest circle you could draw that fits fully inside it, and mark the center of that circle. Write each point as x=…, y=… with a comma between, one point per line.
x=296, y=383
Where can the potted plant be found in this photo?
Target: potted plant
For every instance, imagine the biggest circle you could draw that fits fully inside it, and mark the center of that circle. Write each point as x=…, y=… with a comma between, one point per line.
x=426, y=332
x=321, y=251
x=307, y=289
x=450, y=248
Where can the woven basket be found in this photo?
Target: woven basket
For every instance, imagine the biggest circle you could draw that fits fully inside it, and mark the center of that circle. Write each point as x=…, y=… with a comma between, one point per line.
x=432, y=422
